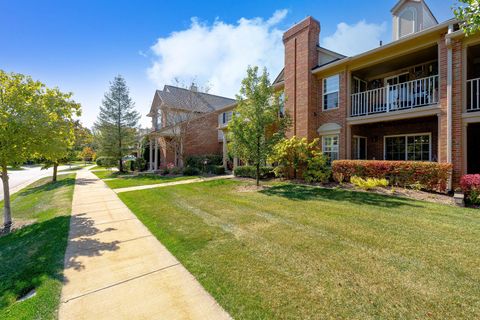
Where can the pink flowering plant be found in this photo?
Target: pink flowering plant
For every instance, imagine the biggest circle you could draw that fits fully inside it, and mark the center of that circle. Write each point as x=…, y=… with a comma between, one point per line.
x=470, y=184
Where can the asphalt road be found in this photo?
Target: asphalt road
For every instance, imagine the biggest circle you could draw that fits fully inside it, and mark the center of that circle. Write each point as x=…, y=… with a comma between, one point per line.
x=18, y=179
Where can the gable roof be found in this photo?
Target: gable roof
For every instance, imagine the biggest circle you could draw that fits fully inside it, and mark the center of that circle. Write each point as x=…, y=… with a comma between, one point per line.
x=401, y=2
x=188, y=100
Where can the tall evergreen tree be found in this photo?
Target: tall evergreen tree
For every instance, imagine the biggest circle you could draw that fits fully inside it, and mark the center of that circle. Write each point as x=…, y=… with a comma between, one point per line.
x=116, y=124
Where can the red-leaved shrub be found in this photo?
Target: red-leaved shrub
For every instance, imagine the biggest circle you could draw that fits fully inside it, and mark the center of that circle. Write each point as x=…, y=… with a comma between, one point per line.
x=470, y=184
x=431, y=176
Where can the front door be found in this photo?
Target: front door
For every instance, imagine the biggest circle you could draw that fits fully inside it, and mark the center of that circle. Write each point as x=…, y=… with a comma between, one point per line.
x=473, y=151
x=359, y=148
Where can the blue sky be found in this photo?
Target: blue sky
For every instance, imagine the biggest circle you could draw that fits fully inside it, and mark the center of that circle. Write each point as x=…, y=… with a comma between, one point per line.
x=80, y=46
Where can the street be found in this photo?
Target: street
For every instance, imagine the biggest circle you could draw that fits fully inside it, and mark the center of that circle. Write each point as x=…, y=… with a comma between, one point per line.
x=21, y=178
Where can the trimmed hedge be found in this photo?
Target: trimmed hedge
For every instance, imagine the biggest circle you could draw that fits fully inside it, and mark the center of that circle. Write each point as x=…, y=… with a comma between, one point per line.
x=251, y=172
x=106, y=162
x=190, y=171
x=470, y=184
x=198, y=161
x=431, y=176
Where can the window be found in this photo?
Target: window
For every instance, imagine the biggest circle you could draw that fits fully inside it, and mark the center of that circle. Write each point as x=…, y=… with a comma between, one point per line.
x=226, y=117
x=359, y=148
x=406, y=22
x=359, y=85
x=331, y=87
x=282, y=105
x=330, y=147
x=415, y=147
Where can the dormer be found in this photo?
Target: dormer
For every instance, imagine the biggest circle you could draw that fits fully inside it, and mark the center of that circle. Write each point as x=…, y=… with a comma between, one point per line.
x=410, y=16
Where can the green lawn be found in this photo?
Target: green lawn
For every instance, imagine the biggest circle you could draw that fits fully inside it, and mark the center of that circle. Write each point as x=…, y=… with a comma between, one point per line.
x=297, y=252
x=125, y=180
x=32, y=257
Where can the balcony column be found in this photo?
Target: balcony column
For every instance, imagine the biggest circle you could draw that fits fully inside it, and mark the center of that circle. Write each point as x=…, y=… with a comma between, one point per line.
x=150, y=162
x=224, y=149
x=349, y=141
x=155, y=168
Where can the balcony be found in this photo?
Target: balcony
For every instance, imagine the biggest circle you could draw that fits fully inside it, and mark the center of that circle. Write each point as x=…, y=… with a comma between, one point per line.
x=407, y=95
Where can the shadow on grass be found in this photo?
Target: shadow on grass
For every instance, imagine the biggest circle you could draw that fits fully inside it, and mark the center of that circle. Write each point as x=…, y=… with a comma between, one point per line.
x=31, y=255
x=300, y=192
x=48, y=186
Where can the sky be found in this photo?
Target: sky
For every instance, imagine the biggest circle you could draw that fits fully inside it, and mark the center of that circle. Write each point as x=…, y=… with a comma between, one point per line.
x=79, y=46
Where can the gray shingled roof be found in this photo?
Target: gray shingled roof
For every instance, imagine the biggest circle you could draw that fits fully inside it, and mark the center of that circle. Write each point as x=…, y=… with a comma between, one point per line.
x=180, y=98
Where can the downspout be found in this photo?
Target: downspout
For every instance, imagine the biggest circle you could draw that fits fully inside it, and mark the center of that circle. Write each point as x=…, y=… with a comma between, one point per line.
x=448, y=43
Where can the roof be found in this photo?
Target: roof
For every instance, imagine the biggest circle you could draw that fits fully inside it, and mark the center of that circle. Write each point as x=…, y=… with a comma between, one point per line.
x=435, y=28
x=280, y=77
x=181, y=98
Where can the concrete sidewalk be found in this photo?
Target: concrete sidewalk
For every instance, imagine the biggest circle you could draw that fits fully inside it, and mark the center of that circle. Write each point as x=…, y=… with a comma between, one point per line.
x=116, y=269
x=173, y=183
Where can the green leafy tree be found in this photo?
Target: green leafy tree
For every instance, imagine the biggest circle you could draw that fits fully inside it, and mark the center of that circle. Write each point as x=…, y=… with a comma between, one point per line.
x=58, y=130
x=22, y=116
x=256, y=125
x=468, y=13
x=116, y=124
x=87, y=154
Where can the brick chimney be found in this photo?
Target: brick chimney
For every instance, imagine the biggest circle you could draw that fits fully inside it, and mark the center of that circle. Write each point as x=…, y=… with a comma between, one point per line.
x=301, y=88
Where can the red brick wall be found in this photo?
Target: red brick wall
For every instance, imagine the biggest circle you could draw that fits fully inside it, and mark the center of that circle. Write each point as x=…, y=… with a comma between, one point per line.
x=301, y=56
x=202, y=136
x=338, y=116
x=457, y=91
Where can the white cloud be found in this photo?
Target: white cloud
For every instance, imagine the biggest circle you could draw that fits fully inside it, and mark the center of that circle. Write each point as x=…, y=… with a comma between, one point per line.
x=354, y=39
x=218, y=54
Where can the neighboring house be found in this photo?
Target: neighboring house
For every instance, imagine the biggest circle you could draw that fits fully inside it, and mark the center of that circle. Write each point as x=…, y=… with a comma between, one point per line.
x=184, y=123
x=415, y=98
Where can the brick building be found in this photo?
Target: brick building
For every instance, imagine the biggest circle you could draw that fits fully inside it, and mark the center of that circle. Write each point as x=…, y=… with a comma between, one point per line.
x=415, y=98
x=185, y=123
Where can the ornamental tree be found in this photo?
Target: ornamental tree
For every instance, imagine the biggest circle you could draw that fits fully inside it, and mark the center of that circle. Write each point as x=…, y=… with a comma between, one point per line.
x=292, y=154
x=468, y=13
x=22, y=115
x=116, y=124
x=58, y=129
x=256, y=125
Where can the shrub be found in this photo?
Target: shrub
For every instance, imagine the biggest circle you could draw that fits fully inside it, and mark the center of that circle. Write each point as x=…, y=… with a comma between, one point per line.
x=432, y=176
x=216, y=169
x=129, y=165
x=199, y=161
x=106, y=162
x=317, y=169
x=291, y=155
x=190, y=171
x=140, y=164
x=369, y=183
x=250, y=172
x=470, y=184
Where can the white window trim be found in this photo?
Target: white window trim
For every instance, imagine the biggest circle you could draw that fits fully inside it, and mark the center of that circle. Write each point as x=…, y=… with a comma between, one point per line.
x=329, y=92
x=399, y=19
x=429, y=134
x=358, y=145
x=338, y=144
x=357, y=79
x=385, y=80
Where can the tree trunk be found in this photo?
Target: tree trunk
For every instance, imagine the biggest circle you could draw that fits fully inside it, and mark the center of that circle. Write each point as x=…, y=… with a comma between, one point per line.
x=55, y=169
x=7, y=211
x=120, y=165
x=258, y=161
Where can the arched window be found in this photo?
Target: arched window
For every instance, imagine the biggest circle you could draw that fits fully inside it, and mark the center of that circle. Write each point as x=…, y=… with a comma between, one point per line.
x=407, y=22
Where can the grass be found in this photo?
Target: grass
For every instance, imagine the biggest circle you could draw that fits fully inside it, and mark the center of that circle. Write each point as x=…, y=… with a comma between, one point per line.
x=298, y=252
x=125, y=180
x=32, y=257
